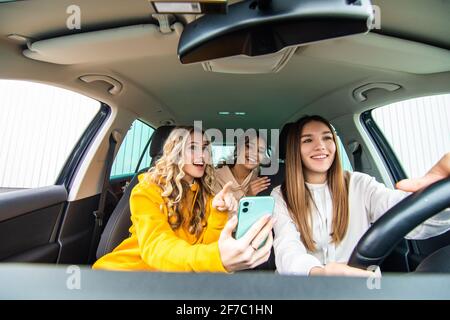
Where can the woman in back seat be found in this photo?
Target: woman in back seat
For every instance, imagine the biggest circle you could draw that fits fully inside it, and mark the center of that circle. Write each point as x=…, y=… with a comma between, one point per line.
x=243, y=170
x=177, y=223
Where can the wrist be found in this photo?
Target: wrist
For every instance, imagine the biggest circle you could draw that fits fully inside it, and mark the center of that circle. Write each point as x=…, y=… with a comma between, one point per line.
x=316, y=271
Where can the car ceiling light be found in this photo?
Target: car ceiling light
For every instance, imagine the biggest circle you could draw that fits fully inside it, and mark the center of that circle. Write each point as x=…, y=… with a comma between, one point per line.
x=235, y=113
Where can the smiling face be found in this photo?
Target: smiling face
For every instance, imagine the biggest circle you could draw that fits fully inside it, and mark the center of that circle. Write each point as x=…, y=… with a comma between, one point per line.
x=251, y=152
x=318, y=150
x=196, y=156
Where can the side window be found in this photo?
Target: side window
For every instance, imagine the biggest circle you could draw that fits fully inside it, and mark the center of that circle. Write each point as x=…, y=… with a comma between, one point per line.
x=40, y=126
x=345, y=161
x=132, y=148
x=418, y=131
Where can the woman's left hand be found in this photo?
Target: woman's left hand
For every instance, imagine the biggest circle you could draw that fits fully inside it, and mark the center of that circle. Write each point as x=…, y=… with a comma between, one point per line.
x=224, y=200
x=441, y=170
x=258, y=185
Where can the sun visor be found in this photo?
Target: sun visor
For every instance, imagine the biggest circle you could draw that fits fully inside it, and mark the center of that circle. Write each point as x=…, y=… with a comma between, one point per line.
x=380, y=51
x=107, y=45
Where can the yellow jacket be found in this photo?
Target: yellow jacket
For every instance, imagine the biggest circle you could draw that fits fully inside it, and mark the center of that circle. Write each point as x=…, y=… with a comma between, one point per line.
x=153, y=245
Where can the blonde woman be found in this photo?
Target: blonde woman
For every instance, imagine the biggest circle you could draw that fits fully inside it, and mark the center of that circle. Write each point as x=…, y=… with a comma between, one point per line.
x=177, y=223
x=322, y=212
x=243, y=171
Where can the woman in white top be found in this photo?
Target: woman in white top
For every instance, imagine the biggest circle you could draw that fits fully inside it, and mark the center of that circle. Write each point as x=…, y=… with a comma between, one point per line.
x=321, y=212
x=242, y=169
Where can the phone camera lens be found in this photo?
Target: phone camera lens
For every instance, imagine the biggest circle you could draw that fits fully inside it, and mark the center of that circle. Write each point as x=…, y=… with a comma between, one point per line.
x=245, y=210
x=245, y=204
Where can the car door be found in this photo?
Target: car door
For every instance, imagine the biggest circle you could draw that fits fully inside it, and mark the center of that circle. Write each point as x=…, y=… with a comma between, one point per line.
x=45, y=132
x=412, y=135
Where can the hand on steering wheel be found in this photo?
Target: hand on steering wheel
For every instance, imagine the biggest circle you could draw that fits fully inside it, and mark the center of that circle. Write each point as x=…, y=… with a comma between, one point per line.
x=440, y=171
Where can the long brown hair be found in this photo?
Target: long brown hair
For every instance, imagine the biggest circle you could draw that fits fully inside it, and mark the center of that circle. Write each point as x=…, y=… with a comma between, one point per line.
x=168, y=174
x=298, y=197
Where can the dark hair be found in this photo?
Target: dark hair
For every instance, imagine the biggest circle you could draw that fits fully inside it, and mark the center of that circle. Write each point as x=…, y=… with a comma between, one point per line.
x=241, y=140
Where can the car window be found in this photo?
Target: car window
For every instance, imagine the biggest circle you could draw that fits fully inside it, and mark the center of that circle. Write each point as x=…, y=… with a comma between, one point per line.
x=418, y=131
x=132, y=148
x=40, y=125
x=221, y=153
x=345, y=161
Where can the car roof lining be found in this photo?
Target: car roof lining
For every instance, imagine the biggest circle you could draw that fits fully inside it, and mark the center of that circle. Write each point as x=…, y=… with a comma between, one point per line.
x=159, y=88
x=422, y=21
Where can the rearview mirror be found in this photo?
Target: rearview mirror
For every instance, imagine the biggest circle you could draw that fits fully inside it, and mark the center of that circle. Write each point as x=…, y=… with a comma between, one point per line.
x=259, y=27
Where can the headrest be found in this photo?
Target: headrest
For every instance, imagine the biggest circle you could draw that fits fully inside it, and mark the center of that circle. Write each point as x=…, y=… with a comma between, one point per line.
x=159, y=137
x=282, y=143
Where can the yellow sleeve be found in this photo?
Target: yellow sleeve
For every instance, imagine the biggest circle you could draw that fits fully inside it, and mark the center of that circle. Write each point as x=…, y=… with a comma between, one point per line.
x=159, y=246
x=216, y=222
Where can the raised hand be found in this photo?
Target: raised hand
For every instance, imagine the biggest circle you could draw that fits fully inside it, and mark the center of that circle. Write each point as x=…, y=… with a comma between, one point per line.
x=225, y=200
x=440, y=171
x=258, y=185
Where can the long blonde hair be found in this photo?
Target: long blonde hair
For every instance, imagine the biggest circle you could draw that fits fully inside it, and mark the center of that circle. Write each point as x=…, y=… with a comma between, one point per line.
x=298, y=197
x=168, y=174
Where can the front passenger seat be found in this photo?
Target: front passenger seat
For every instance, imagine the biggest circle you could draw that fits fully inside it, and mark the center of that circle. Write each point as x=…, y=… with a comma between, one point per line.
x=278, y=178
x=116, y=229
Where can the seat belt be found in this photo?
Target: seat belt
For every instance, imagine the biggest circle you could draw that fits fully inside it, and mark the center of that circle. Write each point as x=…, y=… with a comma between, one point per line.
x=99, y=214
x=357, y=158
x=356, y=153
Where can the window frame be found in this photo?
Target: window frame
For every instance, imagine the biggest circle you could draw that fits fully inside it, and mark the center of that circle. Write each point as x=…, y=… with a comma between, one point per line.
x=147, y=146
x=67, y=174
x=122, y=176
x=379, y=141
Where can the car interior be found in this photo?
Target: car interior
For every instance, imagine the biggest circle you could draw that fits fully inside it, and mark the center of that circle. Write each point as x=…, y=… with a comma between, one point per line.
x=127, y=57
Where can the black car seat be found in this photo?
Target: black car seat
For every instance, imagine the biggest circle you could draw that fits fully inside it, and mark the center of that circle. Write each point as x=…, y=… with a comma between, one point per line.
x=116, y=229
x=276, y=180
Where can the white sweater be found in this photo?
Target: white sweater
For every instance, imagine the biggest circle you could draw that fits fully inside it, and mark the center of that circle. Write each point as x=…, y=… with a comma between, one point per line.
x=368, y=200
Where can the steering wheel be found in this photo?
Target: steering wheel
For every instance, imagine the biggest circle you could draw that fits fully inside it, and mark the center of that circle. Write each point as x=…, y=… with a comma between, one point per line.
x=384, y=235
